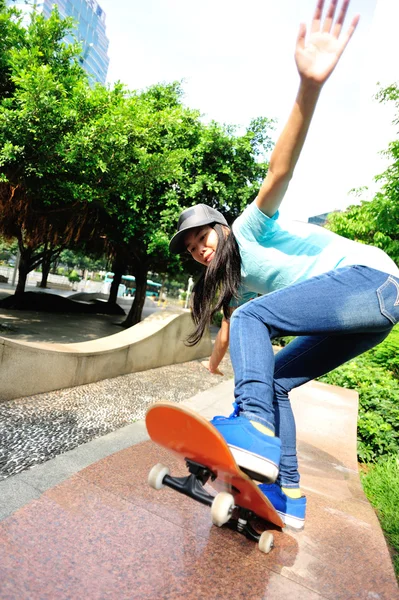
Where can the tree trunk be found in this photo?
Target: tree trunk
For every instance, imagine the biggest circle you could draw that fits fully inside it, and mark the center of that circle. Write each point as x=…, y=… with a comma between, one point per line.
x=50, y=257
x=118, y=269
x=136, y=310
x=46, y=264
x=113, y=292
x=25, y=266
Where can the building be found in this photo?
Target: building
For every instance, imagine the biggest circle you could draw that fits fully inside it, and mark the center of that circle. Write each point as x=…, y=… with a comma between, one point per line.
x=90, y=30
x=321, y=220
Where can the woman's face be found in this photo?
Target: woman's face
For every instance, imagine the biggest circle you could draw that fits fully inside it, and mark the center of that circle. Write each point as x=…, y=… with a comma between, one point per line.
x=201, y=243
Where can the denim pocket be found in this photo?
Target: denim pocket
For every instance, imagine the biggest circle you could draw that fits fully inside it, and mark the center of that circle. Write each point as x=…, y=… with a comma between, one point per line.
x=388, y=297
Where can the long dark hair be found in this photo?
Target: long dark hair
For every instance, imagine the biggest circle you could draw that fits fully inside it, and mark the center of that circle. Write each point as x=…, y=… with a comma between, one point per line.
x=217, y=285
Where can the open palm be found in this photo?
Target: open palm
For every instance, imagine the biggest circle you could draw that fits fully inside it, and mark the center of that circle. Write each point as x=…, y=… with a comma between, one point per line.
x=317, y=56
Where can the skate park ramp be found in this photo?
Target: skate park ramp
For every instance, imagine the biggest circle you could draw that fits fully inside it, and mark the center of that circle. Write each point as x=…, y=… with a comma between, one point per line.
x=91, y=526
x=28, y=368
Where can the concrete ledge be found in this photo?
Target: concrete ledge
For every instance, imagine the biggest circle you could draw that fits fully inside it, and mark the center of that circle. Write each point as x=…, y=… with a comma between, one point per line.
x=28, y=368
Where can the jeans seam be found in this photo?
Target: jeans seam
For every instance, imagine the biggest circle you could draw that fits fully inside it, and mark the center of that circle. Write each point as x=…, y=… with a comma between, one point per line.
x=301, y=354
x=383, y=308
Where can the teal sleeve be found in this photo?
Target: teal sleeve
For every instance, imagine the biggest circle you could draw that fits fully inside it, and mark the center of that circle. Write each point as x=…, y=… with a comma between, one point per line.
x=254, y=225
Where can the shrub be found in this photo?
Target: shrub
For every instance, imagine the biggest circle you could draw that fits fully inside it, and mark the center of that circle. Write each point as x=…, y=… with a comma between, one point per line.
x=73, y=276
x=381, y=484
x=378, y=388
x=386, y=354
x=217, y=319
x=283, y=341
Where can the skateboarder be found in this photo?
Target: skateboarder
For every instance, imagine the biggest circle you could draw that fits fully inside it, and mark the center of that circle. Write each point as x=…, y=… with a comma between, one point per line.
x=340, y=298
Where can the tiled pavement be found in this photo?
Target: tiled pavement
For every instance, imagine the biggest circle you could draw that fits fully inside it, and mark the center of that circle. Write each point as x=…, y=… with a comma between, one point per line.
x=95, y=530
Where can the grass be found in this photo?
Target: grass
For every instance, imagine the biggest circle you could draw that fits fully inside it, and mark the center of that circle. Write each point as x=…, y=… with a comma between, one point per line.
x=381, y=485
x=375, y=375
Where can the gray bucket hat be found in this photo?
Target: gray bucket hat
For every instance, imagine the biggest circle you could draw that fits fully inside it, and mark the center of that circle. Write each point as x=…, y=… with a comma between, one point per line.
x=196, y=216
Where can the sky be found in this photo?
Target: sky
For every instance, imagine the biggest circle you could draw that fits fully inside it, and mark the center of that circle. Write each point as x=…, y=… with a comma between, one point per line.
x=236, y=62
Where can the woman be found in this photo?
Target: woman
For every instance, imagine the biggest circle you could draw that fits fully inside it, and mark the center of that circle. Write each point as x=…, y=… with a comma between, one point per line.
x=339, y=298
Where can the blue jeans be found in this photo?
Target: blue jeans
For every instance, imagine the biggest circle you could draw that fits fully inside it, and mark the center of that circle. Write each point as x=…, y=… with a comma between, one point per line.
x=336, y=316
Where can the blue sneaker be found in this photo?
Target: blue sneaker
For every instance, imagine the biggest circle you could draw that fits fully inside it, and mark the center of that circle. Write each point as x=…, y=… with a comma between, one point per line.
x=291, y=510
x=255, y=453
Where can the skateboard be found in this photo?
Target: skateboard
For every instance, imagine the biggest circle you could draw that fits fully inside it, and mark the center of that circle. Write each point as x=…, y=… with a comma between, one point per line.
x=209, y=460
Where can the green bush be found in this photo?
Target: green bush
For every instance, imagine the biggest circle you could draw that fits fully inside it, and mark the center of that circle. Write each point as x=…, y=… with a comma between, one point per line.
x=378, y=388
x=381, y=485
x=386, y=354
x=217, y=319
x=73, y=276
x=283, y=341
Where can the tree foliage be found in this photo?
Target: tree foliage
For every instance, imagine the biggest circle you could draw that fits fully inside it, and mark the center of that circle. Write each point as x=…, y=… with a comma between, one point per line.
x=376, y=222
x=8, y=249
x=39, y=203
x=107, y=170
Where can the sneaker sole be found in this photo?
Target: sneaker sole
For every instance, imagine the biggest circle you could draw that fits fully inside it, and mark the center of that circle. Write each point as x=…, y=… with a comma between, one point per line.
x=292, y=522
x=256, y=466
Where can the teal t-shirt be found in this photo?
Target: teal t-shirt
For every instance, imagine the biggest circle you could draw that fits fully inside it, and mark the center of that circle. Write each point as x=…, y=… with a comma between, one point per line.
x=276, y=252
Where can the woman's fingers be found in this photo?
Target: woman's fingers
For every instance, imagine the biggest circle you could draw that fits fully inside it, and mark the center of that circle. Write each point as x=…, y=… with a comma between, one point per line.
x=316, y=23
x=350, y=31
x=341, y=18
x=300, y=42
x=206, y=364
x=328, y=21
x=328, y=26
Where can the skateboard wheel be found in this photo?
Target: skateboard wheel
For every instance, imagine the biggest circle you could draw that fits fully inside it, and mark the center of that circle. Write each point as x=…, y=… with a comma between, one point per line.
x=222, y=508
x=156, y=476
x=266, y=542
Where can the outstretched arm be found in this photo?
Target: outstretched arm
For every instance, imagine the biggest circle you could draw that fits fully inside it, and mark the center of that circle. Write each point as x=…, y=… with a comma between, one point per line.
x=316, y=58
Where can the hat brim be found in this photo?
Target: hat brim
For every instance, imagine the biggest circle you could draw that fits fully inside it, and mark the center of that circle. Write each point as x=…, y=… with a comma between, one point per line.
x=177, y=245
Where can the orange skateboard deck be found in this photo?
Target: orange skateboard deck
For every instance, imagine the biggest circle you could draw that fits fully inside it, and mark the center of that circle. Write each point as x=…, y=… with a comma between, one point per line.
x=209, y=460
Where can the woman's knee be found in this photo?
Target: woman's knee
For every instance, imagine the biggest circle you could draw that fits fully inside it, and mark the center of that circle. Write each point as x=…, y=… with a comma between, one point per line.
x=240, y=313
x=256, y=309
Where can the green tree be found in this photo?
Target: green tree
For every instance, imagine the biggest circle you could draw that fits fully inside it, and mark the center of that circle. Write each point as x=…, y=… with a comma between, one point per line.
x=12, y=37
x=40, y=201
x=109, y=170
x=128, y=157
x=80, y=260
x=7, y=249
x=226, y=169
x=376, y=222
x=184, y=162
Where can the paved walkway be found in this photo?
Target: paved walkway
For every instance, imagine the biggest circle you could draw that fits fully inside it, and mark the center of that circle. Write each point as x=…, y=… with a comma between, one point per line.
x=38, y=428
x=88, y=525
x=34, y=326
x=83, y=522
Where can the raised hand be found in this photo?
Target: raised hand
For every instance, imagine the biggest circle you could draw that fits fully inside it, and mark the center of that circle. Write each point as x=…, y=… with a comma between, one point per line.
x=317, y=56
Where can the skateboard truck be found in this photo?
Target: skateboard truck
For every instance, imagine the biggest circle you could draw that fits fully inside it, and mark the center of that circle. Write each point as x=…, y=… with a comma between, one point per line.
x=192, y=485
x=243, y=526
x=222, y=505
x=201, y=473
x=182, y=431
